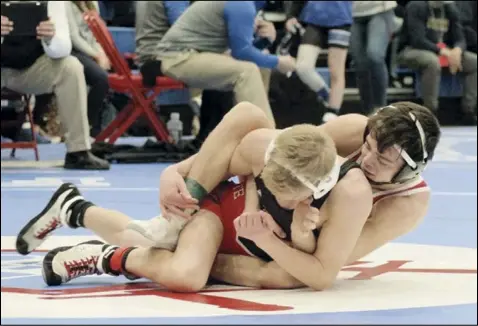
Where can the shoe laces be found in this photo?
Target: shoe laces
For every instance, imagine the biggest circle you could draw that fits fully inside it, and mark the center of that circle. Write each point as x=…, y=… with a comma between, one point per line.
x=86, y=265
x=53, y=224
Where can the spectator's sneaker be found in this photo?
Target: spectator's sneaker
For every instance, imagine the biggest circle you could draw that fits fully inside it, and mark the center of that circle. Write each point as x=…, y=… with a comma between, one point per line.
x=85, y=160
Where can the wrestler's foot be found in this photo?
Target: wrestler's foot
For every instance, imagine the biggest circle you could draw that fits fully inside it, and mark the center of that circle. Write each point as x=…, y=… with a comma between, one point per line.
x=58, y=212
x=64, y=264
x=162, y=233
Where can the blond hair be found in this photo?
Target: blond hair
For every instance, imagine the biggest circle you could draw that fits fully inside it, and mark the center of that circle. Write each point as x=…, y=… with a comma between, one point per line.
x=302, y=150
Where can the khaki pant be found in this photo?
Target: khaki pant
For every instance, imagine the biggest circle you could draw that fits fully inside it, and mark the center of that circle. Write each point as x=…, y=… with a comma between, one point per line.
x=218, y=72
x=426, y=62
x=65, y=78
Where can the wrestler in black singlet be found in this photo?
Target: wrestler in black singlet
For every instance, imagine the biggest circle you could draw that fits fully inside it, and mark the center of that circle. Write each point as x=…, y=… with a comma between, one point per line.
x=282, y=216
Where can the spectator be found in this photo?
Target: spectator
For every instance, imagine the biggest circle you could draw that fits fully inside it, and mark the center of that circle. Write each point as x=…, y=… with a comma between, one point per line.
x=426, y=27
x=153, y=20
x=42, y=64
x=372, y=29
x=193, y=50
x=328, y=27
x=120, y=13
x=467, y=11
x=93, y=58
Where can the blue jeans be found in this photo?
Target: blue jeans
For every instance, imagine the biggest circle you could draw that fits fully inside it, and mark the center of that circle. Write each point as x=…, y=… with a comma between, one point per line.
x=368, y=47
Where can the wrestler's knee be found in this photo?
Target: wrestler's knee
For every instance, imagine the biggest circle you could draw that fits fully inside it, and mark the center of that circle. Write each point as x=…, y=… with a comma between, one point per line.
x=187, y=280
x=245, y=116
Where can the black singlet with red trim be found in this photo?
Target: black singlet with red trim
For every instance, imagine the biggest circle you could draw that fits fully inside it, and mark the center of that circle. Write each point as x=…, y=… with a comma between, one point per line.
x=282, y=216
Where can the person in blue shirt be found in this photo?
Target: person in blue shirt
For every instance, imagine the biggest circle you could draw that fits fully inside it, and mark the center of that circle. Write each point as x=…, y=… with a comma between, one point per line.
x=153, y=20
x=211, y=46
x=327, y=27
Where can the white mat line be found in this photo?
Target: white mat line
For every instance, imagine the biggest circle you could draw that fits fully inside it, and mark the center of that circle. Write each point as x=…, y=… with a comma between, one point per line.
x=147, y=189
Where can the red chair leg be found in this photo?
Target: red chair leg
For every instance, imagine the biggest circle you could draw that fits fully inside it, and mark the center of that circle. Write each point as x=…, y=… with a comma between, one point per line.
x=120, y=118
x=32, y=128
x=125, y=125
x=157, y=125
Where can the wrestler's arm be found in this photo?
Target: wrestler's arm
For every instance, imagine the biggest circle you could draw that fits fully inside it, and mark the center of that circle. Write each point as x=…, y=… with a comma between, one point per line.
x=252, y=271
x=252, y=199
x=305, y=242
x=347, y=132
x=348, y=208
x=391, y=218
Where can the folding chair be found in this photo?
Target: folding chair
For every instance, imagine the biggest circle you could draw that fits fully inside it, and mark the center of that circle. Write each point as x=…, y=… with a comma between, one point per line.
x=123, y=80
x=7, y=94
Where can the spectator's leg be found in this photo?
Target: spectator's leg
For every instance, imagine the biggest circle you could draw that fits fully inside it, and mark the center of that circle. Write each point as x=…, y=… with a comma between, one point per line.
x=266, y=78
x=379, y=31
x=97, y=79
x=227, y=73
x=214, y=105
x=308, y=52
x=469, y=91
x=426, y=62
x=358, y=47
x=42, y=103
x=64, y=77
x=338, y=42
x=336, y=62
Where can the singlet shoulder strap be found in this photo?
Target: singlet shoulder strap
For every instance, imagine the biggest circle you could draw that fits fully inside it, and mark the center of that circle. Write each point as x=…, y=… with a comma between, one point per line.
x=347, y=166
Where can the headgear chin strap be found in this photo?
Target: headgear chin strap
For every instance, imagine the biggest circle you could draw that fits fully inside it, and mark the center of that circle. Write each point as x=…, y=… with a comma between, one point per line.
x=412, y=168
x=324, y=185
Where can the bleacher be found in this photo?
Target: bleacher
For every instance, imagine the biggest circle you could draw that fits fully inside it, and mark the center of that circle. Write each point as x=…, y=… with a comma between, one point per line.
x=405, y=87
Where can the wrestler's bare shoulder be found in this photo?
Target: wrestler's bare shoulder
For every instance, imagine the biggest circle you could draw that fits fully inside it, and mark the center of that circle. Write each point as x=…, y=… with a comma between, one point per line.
x=353, y=192
x=406, y=209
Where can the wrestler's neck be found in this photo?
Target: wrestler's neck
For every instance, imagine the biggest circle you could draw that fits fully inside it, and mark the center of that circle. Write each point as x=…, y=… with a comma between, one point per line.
x=392, y=186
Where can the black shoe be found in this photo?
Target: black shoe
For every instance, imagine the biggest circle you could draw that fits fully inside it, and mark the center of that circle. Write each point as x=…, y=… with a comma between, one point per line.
x=85, y=160
x=469, y=118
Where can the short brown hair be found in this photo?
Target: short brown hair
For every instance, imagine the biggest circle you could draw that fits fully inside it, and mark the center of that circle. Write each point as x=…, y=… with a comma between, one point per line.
x=394, y=126
x=303, y=149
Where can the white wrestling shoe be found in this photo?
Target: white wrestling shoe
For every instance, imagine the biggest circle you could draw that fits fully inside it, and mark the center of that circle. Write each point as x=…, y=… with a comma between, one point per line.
x=52, y=217
x=163, y=233
x=64, y=264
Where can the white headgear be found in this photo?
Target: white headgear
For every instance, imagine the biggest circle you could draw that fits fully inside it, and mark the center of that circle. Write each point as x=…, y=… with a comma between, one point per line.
x=324, y=185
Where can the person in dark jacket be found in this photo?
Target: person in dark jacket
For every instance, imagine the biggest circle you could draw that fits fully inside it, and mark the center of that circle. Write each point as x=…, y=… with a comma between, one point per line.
x=432, y=38
x=38, y=64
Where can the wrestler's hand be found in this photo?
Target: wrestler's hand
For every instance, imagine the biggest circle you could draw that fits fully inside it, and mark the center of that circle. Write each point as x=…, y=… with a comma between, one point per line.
x=257, y=226
x=174, y=196
x=305, y=218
